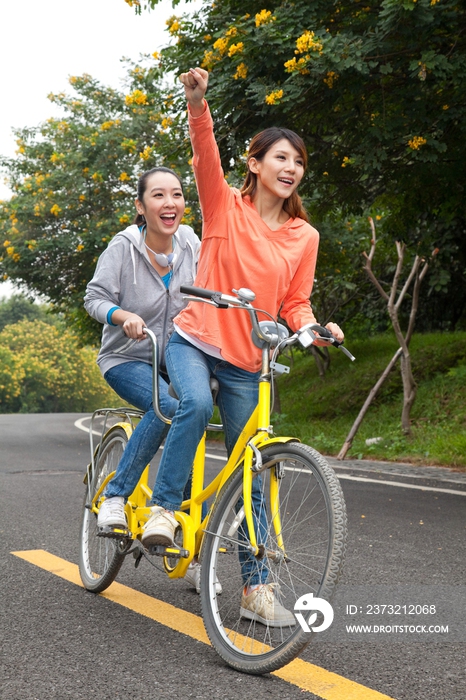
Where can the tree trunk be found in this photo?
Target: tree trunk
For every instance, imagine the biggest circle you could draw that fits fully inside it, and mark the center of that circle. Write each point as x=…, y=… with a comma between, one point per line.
x=409, y=392
x=373, y=392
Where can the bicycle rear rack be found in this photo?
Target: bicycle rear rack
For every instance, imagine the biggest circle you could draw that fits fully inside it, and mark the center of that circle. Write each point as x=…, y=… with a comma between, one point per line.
x=123, y=412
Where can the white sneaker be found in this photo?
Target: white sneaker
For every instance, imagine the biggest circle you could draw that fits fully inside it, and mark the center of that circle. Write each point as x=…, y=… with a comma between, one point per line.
x=160, y=528
x=112, y=513
x=262, y=606
x=193, y=576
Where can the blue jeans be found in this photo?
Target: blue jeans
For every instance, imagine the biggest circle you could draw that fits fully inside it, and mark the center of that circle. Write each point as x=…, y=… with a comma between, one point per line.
x=190, y=370
x=132, y=381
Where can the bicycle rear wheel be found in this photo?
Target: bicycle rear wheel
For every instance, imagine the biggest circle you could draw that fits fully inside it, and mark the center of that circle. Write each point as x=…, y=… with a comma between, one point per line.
x=311, y=509
x=100, y=558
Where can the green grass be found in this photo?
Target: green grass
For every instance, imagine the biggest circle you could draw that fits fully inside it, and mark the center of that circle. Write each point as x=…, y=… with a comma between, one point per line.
x=321, y=411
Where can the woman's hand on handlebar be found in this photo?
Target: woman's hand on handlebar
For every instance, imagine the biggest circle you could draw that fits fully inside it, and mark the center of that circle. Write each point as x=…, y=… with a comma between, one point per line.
x=336, y=331
x=132, y=324
x=195, y=86
x=320, y=335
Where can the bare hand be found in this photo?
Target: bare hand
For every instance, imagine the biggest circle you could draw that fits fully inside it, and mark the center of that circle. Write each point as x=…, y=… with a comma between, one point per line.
x=336, y=331
x=195, y=87
x=132, y=327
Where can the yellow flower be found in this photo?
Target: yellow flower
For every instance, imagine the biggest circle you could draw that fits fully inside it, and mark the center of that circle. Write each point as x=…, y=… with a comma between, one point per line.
x=235, y=48
x=307, y=42
x=221, y=45
x=274, y=97
x=6, y=243
x=107, y=125
x=79, y=247
x=166, y=122
x=16, y=257
x=136, y=97
x=331, y=78
x=241, y=71
x=10, y=250
x=145, y=155
x=231, y=32
x=156, y=55
x=82, y=197
x=129, y=145
x=294, y=65
x=124, y=177
x=346, y=161
x=173, y=25
x=124, y=219
x=264, y=17
x=209, y=60
x=55, y=210
x=416, y=142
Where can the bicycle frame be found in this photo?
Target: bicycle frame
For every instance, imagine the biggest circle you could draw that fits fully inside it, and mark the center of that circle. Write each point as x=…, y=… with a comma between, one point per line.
x=255, y=434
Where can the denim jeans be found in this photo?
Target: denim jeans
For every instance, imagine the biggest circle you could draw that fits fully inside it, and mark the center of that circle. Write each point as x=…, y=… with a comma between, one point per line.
x=190, y=370
x=132, y=381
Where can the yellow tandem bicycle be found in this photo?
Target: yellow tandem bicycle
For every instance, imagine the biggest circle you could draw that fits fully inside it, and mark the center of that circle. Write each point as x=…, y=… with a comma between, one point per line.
x=295, y=531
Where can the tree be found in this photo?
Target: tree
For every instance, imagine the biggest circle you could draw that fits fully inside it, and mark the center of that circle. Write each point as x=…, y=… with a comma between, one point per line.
x=17, y=308
x=74, y=182
x=43, y=369
x=377, y=92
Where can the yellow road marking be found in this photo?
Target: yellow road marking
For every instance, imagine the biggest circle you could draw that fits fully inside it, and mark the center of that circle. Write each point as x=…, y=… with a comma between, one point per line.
x=307, y=676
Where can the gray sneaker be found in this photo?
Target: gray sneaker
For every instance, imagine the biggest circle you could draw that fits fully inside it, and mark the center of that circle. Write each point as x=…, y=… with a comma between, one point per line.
x=112, y=513
x=262, y=606
x=160, y=528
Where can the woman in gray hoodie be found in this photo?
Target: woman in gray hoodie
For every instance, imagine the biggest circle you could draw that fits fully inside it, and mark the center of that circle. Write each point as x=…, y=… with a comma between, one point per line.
x=136, y=285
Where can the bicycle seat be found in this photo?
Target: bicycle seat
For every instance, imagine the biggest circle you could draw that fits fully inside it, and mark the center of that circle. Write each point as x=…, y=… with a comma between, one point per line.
x=214, y=388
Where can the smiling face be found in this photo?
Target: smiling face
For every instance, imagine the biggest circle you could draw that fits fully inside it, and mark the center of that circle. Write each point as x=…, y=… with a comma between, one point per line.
x=280, y=171
x=162, y=204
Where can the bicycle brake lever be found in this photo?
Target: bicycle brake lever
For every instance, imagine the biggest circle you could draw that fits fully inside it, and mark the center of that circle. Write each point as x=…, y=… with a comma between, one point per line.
x=347, y=352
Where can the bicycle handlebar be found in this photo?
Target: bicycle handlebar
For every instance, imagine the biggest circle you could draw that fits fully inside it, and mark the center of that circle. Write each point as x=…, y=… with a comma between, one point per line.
x=305, y=335
x=198, y=292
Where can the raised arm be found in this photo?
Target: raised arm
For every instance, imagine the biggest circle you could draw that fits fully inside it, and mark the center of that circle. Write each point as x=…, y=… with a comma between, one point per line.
x=215, y=195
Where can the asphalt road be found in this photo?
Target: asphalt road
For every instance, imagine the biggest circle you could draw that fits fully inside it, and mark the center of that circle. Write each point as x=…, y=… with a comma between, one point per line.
x=58, y=641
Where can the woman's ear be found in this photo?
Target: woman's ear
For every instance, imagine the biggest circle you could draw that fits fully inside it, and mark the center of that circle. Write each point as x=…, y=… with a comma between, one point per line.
x=252, y=165
x=138, y=206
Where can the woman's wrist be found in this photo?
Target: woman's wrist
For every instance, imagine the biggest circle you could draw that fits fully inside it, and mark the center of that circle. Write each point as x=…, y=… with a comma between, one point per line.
x=197, y=109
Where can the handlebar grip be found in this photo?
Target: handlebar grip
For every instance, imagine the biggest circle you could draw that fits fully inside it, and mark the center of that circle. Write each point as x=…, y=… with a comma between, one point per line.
x=323, y=332
x=198, y=291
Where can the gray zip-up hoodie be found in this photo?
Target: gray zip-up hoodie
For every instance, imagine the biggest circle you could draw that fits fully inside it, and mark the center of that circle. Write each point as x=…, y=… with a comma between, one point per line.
x=124, y=277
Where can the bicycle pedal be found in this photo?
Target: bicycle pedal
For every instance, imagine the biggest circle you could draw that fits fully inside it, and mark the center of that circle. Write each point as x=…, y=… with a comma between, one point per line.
x=114, y=532
x=161, y=550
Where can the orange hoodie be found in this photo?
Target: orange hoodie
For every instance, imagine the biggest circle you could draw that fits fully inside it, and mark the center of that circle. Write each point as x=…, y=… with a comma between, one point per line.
x=239, y=250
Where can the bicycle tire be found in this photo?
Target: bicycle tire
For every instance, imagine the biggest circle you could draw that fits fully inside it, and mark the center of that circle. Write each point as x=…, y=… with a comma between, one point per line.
x=314, y=528
x=100, y=558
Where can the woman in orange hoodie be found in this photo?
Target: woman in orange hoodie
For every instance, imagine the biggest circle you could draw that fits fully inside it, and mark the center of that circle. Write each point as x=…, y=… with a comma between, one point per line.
x=257, y=237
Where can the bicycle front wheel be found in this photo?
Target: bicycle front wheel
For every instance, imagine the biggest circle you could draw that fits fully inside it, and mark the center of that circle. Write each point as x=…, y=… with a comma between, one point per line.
x=300, y=523
x=100, y=558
